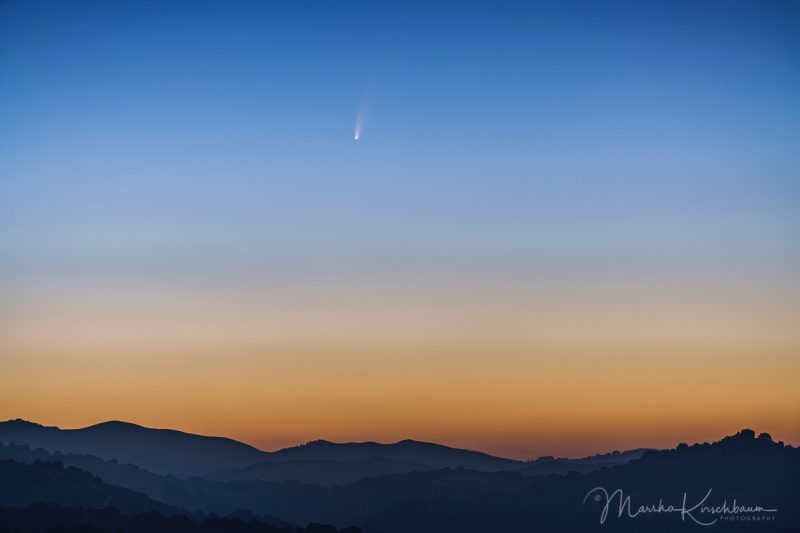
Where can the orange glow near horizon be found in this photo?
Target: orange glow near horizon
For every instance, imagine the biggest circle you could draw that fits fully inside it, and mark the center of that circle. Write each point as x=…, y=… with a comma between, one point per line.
x=515, y=371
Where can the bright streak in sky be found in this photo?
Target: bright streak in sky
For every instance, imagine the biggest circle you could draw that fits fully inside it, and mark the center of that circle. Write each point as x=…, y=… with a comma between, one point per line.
x=359, y=122
x=359, y=126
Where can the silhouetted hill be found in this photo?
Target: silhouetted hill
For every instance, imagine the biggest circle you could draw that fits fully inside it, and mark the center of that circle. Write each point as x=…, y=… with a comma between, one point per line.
x=292, y=501
x=50, y=482
x=754, y=471
x=431, y=455
x=751, y=470
x=165, y=451
x=112, y=472
x=545, y=466
x=40, y=495
x=342, y=505
x=51, y=518
x=320, y=472
x=162, y=451
x=323, y=472
x=748, y=470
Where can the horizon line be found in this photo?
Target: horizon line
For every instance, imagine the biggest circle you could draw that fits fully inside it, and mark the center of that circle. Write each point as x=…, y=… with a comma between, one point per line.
x=391, y=443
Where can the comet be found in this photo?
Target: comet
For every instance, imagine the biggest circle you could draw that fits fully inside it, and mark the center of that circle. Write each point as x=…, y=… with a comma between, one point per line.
x=361, y=116
x=359, y=124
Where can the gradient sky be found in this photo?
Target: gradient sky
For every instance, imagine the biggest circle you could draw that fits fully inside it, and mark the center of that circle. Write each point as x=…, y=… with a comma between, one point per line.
x=566, y=227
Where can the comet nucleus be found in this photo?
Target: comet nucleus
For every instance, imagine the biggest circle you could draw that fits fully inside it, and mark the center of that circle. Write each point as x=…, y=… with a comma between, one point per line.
x=359, y=126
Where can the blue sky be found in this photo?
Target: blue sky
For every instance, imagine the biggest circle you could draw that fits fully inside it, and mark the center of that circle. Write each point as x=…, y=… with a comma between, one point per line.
x=491, y=129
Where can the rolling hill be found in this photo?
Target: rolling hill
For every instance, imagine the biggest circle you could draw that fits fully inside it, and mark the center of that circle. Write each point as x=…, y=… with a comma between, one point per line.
x=167, y=451
x=424, y=453
x=163, y=451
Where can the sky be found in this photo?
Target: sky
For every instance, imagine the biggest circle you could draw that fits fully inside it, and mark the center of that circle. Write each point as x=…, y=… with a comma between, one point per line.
x=564, y=228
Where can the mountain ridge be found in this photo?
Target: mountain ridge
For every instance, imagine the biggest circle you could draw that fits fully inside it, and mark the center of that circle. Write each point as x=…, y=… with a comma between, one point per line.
x=182, y=454
x=163, y=451
x=752, y=469
x=427, y=453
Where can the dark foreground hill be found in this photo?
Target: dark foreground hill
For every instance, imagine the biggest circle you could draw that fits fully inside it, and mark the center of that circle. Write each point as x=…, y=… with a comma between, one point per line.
x=740, y=471
x=50, y=482
x=122, y=475
x=741, y=482
x=40, y=496
x=41, y=518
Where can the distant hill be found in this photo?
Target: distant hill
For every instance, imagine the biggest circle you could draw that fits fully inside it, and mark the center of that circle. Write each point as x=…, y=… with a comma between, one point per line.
x=166, y=451
x=330, y=472
x=293, y=501
x=424, y=453
x=323, y=472
x=163, y=451
x=545, y=466
x=342, y=505
x=751, y=470
x=326, y=473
